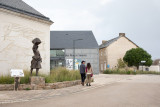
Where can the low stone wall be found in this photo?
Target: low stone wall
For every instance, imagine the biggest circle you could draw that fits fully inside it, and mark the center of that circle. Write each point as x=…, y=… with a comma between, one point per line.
x=7, y=87
x=62, y=84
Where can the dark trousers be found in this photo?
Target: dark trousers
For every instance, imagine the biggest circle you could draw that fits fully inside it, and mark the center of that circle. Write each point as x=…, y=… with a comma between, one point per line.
x=83, y=77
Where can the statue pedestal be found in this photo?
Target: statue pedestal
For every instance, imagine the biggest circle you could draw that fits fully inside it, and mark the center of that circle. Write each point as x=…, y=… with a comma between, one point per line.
x=37, y=82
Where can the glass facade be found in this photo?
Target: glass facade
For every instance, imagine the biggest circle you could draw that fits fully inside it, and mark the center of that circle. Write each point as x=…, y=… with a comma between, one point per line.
x=64, y=58
x=57, y=53
x=57, y=58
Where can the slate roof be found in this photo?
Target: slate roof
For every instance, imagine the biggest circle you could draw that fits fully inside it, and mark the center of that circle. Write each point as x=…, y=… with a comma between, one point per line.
x=21, y=7
x=64, y=40
x=107, y=43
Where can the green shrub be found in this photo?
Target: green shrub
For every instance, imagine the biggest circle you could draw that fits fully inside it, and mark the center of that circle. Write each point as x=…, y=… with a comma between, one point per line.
x=121, y=63
x=128, y=72
x=27, y=89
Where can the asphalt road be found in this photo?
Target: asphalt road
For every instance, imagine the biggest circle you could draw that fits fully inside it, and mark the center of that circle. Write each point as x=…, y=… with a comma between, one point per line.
x=142, y=91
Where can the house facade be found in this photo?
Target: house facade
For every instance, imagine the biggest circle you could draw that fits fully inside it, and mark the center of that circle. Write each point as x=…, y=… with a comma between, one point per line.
x=19, y=25
x=85, y=46
x=112, y=50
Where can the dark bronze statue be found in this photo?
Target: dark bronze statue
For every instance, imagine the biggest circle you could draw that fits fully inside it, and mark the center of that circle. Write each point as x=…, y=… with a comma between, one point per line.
x=36, y=59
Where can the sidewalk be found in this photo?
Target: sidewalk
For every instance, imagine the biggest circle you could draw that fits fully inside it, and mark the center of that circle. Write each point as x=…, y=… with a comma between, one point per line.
x=22, y=96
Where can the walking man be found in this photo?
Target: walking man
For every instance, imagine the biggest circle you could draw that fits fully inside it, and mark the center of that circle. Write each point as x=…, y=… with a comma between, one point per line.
x=82, y=72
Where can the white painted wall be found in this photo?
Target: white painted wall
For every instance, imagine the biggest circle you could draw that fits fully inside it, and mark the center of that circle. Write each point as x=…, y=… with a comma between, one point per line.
x=154, y=68
x=151, y=68
x=16, y=33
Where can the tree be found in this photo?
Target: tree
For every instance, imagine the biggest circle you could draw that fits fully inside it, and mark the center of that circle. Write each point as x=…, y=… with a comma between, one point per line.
x=134, y=57
x=121, y=63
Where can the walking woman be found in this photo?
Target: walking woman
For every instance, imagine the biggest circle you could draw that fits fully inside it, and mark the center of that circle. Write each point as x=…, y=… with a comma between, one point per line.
x=89, y=74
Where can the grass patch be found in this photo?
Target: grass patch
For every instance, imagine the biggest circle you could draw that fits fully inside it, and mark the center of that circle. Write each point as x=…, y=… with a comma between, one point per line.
x=6, y=79
x=10, y=80
x=56, y=75
x=62, y=74
x=129, y=72
x=25, y=79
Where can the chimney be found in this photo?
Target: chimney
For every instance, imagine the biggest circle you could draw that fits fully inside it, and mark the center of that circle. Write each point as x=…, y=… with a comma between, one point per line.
x=121, y=34
x=103, y=41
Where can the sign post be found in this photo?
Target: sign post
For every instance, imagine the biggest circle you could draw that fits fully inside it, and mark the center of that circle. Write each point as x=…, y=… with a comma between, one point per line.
x=142, y=64
x=16, y=73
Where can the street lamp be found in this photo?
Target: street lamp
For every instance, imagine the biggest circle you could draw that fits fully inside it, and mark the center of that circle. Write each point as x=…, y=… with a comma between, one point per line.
x=74, y=52
x=142, y=64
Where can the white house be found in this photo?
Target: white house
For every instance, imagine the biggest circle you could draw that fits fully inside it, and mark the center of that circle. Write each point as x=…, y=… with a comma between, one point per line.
x=19, y=25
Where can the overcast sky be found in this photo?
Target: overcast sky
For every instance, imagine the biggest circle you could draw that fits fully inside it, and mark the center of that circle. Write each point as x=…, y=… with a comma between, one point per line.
x=139, y=19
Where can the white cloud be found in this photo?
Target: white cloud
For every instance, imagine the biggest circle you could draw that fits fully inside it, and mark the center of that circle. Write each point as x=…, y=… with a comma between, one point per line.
x=104, y=2
x=139, y=19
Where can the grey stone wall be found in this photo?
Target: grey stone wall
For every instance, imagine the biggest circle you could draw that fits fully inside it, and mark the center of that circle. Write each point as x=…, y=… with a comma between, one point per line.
x=58, y=85
x=88, y=55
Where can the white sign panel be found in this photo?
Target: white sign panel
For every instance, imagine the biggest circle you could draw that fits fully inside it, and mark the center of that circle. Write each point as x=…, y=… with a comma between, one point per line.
x=143, y=61
x=69, y=64
x=17, y=73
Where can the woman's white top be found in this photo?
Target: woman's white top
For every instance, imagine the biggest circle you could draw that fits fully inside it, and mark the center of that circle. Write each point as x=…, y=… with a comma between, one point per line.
x=89, y=71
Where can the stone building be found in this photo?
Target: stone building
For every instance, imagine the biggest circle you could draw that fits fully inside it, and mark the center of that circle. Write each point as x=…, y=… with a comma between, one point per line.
x=19, y=25
x=112, y=50
x=86, y=48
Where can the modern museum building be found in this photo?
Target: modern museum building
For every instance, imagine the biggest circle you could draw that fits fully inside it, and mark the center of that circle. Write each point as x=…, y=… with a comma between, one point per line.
x=78, y=45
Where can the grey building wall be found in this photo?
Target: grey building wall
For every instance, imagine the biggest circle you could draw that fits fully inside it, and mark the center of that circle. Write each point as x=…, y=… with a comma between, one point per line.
x=88, y=55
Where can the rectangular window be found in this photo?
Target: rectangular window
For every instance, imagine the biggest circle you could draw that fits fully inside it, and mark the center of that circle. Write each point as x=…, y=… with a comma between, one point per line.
x=57, y=53
x=57, y=58
x=57, y=63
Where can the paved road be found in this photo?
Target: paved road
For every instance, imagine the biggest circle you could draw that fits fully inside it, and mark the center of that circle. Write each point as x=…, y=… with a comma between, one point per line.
x=134, y=91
